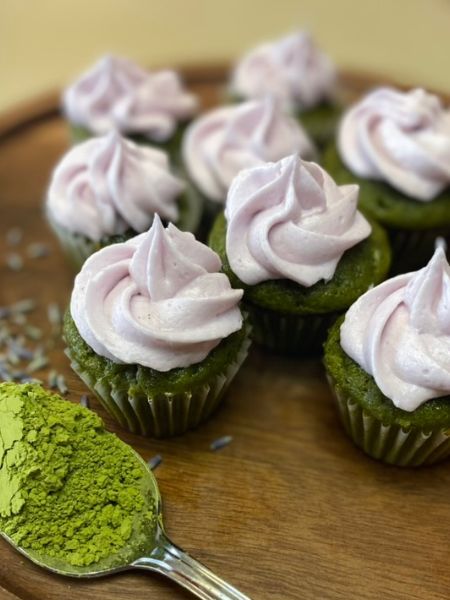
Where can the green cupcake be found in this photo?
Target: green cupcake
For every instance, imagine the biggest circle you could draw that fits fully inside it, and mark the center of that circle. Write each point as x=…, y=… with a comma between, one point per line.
x=387, y=365
x=116, y=94
x=396, y=146
x=295, y=243
x=294, y=70
x=155, y=331
x=108, y=189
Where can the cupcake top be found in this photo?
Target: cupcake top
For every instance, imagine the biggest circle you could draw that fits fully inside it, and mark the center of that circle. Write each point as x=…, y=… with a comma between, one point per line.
x=107, y=185
x=289, y=220
x=157, y=300
x=292, y=68
x=402, y=138
x=399, y=332
x=117, y=94
x=226, y=140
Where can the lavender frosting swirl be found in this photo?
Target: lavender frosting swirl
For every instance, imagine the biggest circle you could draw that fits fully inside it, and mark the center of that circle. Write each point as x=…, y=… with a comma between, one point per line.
x=157, y=300
x=292, y=68
x=289, y=220
x=226, y=140
x=107, y=185
x=399, y=332
x=402, y=138
x=117, y=94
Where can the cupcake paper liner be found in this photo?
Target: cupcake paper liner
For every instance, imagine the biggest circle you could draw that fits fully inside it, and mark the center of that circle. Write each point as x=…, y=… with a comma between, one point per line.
x=411, y=250
x=76, y=248
x=391, y=444
x=289, y=333
x=162, y=414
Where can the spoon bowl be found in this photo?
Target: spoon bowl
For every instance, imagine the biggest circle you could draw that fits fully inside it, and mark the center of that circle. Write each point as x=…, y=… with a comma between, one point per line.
x=156, y=553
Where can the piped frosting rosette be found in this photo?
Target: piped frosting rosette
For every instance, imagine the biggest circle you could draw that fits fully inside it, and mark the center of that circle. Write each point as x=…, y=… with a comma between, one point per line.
x=117, y=94
x=289, y=220
x=157, y=300
x=108, y=185
x=292, y=69
x=226, y=140
x=399, y=332
x=402, y=138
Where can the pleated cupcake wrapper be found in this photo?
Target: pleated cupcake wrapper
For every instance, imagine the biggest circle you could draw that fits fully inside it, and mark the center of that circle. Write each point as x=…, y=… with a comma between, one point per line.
x=390, y=443
x=77, y=248
x=161, y=414
x=411, y=250
x=289, y=334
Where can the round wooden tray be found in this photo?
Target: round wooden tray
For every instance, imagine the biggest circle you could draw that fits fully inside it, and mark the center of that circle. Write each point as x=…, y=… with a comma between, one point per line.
x=290, y=509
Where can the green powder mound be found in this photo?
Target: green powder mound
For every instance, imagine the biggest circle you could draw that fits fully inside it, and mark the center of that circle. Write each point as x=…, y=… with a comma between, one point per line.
x=69, y=490
x=361, y=267
x=386, y=204
x=354, y=383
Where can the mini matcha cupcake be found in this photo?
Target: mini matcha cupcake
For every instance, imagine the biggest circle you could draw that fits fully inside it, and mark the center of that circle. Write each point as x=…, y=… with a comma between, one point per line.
x=294, y=241
x=150, y=107
x=154, y=329
x=388, y=364
x=396, y=146
x=226, y=140
x=108, y=189
x=294, y=70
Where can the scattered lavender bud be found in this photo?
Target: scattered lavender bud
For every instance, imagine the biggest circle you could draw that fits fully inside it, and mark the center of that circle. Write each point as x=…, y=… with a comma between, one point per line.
x=13, y=358
x=61, y=385
x=52, y=379
x=14, y=261
x=38, y=250
x=84, y=401
x=19, y=319
x=154, y=462
x=38, y=363
x=221, y=442
x=24, y=306
x=28, y=379
x=5, y=374
x=21, y=351
x=54, y=314
x=14, y=236
x=33, y=333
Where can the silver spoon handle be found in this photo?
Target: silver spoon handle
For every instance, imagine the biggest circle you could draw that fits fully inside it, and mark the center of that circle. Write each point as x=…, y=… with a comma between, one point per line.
x=169, y=560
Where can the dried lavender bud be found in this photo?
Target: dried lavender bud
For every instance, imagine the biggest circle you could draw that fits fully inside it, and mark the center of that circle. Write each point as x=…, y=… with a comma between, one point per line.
x=14, y=261
x=38, y=250
x=154, y=462
x=221, y=442
x=14, y=236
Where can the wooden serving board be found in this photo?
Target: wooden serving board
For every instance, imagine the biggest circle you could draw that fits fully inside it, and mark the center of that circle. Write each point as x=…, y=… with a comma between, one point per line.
x=290, y=509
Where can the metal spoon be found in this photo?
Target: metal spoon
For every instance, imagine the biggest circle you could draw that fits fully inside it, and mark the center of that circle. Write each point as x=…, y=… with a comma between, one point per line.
x=161, y=556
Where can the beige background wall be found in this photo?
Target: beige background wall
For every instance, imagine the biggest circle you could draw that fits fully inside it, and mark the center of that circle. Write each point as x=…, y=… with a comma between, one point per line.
x=43, y=43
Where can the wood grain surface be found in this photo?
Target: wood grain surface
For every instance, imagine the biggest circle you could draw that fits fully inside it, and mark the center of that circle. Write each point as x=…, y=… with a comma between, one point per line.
x=290, y=509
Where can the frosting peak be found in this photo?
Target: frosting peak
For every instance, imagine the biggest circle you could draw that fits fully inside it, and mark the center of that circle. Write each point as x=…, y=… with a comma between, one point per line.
x=108, y=185
x=399, y=332
x=402, y=138
x=292, y=68
x=289, y=220
x=157, y=300
x=226, y=140
x=117, y=94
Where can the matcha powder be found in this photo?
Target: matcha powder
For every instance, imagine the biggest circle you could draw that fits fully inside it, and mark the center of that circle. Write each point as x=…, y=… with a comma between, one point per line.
x=69, y=490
